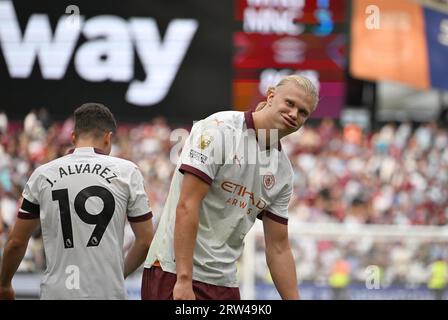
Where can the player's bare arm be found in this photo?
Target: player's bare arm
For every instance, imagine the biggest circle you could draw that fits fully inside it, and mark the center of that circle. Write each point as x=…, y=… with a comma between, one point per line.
x=1, y=226
x=192, y=193
x=13, y=254
x=279, y=259
x=144, y=233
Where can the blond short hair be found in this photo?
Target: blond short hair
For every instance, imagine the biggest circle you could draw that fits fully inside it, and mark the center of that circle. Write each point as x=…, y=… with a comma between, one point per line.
x=302, y=82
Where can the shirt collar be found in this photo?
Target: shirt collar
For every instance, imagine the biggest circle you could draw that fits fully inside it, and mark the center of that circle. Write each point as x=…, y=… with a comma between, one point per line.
x=86, y=150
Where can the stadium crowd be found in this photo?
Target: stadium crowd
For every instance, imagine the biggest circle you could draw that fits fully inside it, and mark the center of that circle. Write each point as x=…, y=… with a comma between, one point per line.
x=395, y=175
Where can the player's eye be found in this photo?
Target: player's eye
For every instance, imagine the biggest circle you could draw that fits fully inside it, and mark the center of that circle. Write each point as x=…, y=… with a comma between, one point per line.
x=289, y=103
x=303, y=113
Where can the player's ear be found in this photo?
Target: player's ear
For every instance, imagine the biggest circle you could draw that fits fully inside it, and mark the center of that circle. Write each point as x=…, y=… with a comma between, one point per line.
x=108, y=138
x=270, y=94
x=73, y=137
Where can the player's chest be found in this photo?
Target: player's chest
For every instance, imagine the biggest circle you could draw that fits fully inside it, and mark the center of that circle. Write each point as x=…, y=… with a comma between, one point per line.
x=248, y=192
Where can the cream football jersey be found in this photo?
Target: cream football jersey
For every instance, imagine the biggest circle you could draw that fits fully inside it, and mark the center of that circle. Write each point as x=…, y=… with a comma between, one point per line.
x=82, y=201
x=246, y=181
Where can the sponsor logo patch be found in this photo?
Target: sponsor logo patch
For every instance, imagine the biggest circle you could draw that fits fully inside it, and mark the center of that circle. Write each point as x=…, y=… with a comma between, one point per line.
x=198, y=156
x=204, y=141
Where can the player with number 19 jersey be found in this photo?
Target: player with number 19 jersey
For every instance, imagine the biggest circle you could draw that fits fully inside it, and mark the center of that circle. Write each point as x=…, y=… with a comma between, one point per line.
x=82, y=200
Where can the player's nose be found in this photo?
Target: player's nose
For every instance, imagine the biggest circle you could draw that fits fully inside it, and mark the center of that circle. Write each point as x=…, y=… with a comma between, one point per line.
x=293, y=114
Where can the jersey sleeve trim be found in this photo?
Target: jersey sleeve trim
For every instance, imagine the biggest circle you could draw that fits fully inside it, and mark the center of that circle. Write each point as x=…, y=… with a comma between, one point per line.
x=27, y=216
x=143, y=217
x=272, y=216
x=198, y=173
x=29, y=209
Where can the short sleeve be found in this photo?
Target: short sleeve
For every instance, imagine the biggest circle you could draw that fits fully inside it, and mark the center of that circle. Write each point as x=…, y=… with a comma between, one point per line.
x=30, y=208
x=203, y=152
x=278, y=210
x=138, y=204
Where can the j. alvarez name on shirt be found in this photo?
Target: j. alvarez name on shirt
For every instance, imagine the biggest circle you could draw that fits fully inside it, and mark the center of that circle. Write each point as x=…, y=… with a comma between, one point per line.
x=81, y=168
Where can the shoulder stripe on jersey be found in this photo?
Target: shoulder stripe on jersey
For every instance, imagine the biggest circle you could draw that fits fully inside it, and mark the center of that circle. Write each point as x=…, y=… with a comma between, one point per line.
x=141, y=218
x=198, y=173
x=27, y=216
x=30, y=207
x=272, y=216
x=249, y=120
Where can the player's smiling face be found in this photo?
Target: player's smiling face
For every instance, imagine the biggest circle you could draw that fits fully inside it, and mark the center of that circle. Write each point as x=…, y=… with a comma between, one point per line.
x=291, y=107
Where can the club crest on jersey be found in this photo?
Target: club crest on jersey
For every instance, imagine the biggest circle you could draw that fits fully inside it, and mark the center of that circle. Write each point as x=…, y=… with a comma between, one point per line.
x=204, y=141
x=268, y=181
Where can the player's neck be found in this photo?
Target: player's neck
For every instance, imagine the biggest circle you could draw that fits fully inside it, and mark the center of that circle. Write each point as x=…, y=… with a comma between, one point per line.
x=83, y=143
x=260, y=120
x=263, y=126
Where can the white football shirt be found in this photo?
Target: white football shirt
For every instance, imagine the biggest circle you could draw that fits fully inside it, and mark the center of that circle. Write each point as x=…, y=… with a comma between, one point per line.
x=246, y=182
x=82, y=200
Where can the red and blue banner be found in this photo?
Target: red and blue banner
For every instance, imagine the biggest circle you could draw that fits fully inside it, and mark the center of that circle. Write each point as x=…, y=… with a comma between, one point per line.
x=436, y=28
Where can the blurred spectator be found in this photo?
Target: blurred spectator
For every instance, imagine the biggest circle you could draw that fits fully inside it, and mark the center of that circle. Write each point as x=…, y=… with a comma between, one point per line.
x=339, y=279
x=3, y=123
x=44, y=117
x=32, y=126
x=438, y=278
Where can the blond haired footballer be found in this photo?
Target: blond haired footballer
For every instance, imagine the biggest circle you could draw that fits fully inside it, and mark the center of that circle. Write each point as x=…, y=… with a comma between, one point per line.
x=220, y=186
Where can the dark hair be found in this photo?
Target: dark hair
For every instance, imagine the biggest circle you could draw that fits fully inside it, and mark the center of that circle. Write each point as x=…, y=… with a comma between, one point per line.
x=95, y=119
